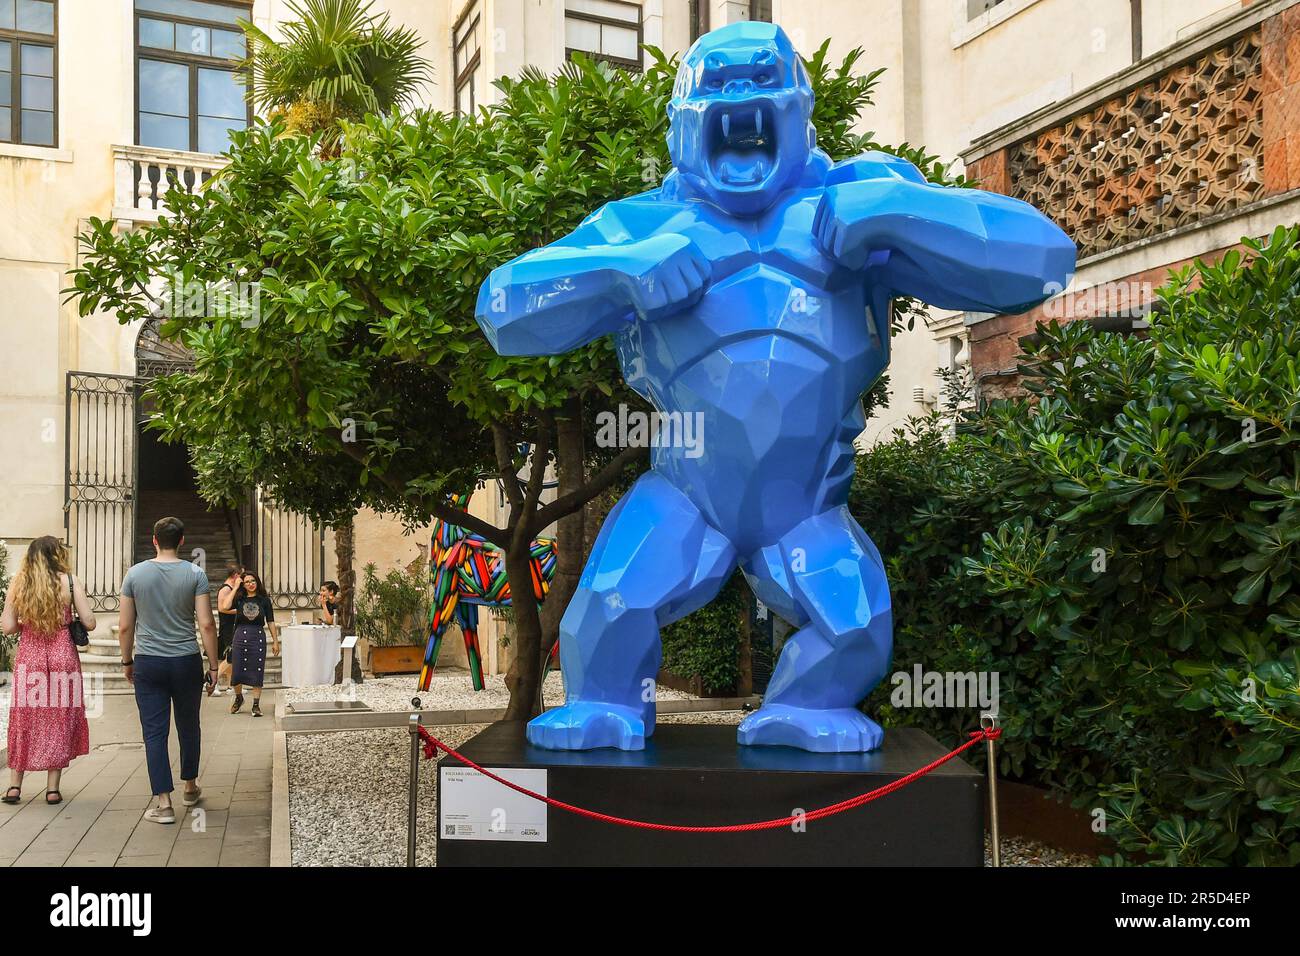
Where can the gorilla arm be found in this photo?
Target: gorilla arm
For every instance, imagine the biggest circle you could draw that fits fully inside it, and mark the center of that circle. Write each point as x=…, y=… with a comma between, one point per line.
x=964, y=249
x=562, y=296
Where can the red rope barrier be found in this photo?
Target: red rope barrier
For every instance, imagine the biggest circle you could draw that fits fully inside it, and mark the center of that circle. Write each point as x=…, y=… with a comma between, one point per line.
x=432, y=745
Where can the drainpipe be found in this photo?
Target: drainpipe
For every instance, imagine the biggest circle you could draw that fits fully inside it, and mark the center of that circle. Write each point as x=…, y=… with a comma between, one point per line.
x=1135, y=27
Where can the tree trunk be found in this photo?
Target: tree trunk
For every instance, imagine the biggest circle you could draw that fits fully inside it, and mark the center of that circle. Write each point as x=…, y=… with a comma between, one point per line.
x=522, y=678
x=594, y=513
x=745, y=663
x=344, y=558
x=570, y=532
x=529, y=516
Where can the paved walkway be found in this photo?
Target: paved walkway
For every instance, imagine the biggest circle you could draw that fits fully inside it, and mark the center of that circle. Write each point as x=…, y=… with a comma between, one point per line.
x=105, y=794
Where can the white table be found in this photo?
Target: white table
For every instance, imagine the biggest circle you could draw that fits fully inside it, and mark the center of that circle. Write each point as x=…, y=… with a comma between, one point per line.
x=309, y=653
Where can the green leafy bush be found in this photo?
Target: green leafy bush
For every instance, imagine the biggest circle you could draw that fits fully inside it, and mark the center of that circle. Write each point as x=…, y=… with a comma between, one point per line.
x=706, y=644
x=1120, y=547
x=393, y=609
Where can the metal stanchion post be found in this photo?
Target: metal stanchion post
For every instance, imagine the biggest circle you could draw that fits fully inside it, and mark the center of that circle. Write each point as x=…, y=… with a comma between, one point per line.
x=413, y=797
x=990, y=722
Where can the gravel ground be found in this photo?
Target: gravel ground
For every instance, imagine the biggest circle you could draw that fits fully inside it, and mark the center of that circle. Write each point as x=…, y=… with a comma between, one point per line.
x=347, y=798
x=449, y=690
x=1018, y=851
x=706, y=717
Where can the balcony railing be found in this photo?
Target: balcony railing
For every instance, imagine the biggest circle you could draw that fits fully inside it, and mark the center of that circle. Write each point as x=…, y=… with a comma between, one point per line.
x=143, y=174
x=1174, y=141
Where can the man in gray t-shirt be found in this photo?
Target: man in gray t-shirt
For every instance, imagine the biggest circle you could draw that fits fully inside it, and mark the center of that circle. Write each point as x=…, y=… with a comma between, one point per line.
x=164, y=593
x=162, y=600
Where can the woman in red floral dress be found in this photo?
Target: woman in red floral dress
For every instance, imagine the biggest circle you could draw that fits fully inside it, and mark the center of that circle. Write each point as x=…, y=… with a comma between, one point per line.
x=47, y=716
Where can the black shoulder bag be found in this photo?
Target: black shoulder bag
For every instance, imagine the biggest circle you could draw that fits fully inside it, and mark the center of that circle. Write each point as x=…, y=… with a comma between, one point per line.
x=76, y=630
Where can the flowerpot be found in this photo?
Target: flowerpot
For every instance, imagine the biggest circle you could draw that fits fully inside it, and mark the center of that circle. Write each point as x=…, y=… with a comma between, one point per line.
x=1038, y=814
x=396, y=659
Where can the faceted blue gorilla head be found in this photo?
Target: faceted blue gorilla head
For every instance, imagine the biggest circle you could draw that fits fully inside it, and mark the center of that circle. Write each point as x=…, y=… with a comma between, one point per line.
x=739, y=119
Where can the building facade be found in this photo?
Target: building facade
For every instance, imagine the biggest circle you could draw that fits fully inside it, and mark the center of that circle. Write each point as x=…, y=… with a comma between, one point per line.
x=1183, y=144
x=1153, y=131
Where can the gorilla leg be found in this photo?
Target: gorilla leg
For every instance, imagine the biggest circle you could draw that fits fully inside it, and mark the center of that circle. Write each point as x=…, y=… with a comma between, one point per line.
x=828, y=569
x=656, y=560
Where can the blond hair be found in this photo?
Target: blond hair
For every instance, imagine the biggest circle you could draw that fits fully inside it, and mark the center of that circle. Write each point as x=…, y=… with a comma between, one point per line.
x=37, y=593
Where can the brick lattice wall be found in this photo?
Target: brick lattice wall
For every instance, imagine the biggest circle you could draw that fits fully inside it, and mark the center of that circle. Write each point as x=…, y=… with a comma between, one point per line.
x=1202, y=138
x=1180, y=147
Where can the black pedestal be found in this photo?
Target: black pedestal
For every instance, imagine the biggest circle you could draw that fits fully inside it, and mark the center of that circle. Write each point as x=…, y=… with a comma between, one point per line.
x=696, y=774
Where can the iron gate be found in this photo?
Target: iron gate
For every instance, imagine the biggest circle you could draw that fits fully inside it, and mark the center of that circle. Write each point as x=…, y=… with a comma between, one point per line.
x=99, y=481
x=99, y=496
x=291, y=555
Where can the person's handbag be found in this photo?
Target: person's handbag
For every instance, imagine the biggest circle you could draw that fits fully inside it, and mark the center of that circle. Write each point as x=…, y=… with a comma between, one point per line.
x=77, y=630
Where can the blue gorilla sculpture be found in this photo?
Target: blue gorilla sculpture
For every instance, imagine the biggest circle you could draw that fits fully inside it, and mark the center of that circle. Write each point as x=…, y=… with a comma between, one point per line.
x=752, y=288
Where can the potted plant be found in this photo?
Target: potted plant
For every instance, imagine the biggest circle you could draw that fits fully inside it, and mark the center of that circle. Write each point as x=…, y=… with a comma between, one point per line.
x=391, y=614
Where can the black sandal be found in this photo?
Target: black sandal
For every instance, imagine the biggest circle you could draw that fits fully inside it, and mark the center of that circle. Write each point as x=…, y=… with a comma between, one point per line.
x=237, y=703
x=16, y=798
x=257, y=707
x=53, y=803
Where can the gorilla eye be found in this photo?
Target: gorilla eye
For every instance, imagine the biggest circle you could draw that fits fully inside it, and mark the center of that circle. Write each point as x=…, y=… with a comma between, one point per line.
x=764, y=79
x=714, y=84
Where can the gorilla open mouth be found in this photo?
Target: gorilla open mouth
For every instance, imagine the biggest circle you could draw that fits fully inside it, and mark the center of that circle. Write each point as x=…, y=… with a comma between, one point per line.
x=742, y=143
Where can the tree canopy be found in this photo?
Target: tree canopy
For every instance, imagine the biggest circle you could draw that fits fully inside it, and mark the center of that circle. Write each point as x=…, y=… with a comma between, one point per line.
x=368, y=266
x=358, y=375
x=337, y=61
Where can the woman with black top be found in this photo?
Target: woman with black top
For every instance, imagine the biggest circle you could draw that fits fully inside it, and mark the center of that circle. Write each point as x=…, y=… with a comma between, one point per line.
x=226, y=619
x=329, y=602
x=254, y=617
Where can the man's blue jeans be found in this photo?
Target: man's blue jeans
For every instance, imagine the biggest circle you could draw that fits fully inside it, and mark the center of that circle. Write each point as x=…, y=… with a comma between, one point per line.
x=164, y=685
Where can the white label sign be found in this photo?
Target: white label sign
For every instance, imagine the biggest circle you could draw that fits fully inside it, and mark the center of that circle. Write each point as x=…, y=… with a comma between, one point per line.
x=475, y=807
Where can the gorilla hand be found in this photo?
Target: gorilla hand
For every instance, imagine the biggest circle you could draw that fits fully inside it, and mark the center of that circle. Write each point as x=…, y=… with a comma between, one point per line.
x=842, y=221
x=668, y=273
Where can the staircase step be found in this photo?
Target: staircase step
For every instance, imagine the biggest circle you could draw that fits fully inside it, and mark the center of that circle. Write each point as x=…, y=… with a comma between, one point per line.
x=204, y=528
x=102, y=647
x=111, y=673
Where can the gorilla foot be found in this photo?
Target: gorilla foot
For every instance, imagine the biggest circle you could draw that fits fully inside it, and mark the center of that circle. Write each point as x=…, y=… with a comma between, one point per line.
x=844, y=730
x=588, y=725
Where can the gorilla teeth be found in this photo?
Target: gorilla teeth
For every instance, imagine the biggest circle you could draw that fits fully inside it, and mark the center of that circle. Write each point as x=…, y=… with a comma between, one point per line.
x=750, y=130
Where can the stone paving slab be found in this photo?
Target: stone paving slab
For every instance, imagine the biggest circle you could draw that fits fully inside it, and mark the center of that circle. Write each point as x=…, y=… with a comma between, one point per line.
x=106, y=839
x=205, y=852
x=246, y=855
x=41, y=859
x=101, y=821
x=253, y=807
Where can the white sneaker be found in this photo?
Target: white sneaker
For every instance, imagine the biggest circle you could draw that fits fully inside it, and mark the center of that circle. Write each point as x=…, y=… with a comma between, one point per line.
x=159, y=815
x=189, y=799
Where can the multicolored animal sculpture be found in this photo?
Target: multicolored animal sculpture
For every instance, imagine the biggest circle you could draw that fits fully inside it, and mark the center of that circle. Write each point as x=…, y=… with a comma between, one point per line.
x=467, y=572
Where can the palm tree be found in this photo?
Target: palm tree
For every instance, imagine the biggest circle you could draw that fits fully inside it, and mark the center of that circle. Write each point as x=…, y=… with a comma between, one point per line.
x=337, y=61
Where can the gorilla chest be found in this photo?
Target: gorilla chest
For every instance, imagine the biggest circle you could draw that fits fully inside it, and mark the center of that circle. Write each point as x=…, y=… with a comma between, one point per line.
x=773, y=299
x=757, y=344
